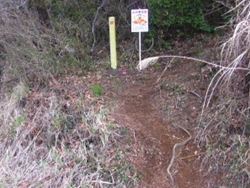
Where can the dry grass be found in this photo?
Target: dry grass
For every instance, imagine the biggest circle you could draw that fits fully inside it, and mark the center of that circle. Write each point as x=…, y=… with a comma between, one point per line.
x=53, y=142
x=21, y=40
x=224, y=127
x=32, y=52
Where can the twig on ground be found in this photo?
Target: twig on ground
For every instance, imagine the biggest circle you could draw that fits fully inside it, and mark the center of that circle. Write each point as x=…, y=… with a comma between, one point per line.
x=197, y=95
x=190, y=156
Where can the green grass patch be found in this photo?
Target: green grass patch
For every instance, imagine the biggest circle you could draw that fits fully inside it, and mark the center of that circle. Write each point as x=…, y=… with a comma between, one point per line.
x=97, y=89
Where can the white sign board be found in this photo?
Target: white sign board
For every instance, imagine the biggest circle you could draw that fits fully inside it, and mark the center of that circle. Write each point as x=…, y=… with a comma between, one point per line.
x=139, y=20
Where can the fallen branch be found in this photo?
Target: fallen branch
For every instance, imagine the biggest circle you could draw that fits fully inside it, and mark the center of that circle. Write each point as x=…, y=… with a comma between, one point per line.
x=151, y=60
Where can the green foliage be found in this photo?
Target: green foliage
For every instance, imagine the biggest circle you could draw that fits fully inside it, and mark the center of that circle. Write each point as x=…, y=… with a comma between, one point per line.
x=96, y=89
x=179, y=17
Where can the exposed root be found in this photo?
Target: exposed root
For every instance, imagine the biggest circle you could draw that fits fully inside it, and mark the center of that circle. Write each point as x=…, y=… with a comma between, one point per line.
x=175, y=152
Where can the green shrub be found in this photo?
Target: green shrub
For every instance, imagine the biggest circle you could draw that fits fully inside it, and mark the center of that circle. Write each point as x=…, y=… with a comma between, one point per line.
x=178, y=17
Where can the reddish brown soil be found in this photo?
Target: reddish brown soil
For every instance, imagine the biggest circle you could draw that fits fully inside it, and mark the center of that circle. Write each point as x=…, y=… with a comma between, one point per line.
x=155, y=107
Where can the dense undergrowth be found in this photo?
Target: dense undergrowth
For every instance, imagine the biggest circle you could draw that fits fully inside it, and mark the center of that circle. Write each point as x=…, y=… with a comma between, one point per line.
x=54, y=135
x=224, y=125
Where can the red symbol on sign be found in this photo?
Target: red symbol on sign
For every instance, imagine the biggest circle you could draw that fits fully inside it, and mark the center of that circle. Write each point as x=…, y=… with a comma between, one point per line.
x=111, y=23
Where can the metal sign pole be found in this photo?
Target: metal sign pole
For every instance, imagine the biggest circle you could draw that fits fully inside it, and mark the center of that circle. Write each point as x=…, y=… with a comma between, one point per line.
x=140, y=49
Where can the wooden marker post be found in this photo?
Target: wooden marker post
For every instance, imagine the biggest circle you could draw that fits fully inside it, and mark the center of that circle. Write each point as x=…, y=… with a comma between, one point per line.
x=112, y=37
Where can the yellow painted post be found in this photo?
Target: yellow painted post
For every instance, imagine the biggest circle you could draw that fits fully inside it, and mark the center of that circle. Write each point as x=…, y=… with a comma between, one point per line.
x=112, y=37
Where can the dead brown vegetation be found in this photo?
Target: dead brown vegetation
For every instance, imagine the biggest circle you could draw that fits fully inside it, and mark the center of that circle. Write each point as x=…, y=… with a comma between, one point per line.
x=224, y=126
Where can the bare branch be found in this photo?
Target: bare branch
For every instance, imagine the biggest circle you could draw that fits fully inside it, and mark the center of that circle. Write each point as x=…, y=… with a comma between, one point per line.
x=94, y=23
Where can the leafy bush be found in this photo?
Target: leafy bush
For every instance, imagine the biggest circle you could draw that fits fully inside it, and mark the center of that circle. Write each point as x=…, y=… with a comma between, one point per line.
x=179, y=17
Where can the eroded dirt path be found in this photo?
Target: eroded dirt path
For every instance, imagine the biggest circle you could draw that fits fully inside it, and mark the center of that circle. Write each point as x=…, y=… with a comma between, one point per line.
x=155, y=112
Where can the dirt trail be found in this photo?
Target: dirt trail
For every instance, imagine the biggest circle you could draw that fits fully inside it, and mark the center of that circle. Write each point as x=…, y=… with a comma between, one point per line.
x=154, y=113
